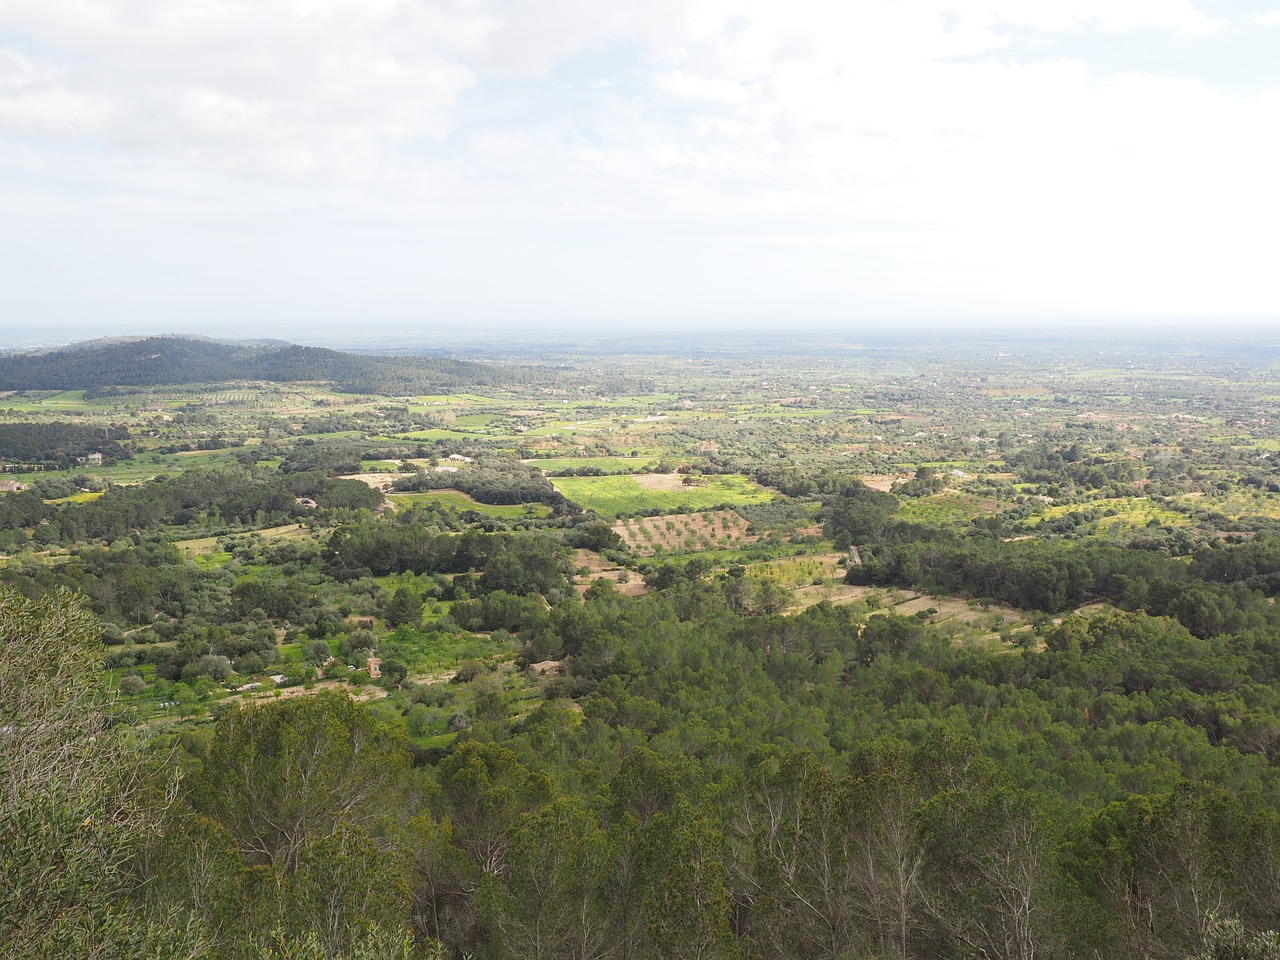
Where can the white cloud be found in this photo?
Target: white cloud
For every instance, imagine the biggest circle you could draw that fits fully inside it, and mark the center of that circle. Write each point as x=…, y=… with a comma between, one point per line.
x=241, y=84
x=1178, y=16
x=678, y=83
x=1271, y=19
x=35, y=99
x=720, y=154
x=305, y=85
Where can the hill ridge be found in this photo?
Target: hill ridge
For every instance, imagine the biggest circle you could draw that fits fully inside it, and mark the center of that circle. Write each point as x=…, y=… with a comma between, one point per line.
x=171, y=359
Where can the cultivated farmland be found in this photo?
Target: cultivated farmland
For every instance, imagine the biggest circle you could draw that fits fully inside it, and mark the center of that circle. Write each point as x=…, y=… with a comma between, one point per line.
x=642, y=493
x=708, y=530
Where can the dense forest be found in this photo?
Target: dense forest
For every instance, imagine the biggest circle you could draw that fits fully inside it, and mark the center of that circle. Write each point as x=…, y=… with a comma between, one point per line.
x=62, y=443
x=715, y=670
x=819, y=785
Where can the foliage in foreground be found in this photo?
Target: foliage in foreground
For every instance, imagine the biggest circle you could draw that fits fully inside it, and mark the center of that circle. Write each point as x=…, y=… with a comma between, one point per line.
x=302, y=830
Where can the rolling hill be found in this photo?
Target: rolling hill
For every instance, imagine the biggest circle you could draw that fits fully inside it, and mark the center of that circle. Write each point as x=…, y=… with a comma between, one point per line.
x=157, y=361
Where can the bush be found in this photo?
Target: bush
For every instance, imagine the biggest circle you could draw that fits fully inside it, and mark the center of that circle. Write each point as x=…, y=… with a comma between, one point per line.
x=418, y=720
x=131, y=685
x=468, y=670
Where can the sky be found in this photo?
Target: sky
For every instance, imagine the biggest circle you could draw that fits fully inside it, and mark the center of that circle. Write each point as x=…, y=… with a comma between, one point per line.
x=300, y=168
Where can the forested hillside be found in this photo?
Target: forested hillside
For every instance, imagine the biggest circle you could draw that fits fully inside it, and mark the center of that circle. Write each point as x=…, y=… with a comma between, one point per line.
x=158, y=361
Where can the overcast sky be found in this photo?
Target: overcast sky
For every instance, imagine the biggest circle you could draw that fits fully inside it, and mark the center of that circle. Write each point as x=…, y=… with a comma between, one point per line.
x=285, y=166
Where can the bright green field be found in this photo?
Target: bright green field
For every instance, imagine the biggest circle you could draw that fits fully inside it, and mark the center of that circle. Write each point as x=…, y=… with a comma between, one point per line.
x=460, y=501
x=610, y=496
x=40, y=400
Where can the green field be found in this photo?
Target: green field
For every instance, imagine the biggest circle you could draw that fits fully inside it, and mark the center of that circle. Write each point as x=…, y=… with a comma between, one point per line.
x=452, y=499
x=472, y=421
x=34, y=401
x=610, y=496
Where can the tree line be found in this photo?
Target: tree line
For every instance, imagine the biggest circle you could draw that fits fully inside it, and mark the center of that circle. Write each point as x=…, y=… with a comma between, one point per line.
x=1221, y=590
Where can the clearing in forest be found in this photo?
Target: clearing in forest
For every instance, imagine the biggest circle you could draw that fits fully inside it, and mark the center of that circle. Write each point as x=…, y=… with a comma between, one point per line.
x=884, y=481
x=948, y=507
x=590, y=566
x=207, y=552
x=379, y=481
x=956, y=616
x=641, y=493
x=460, y=501
x=684, y=532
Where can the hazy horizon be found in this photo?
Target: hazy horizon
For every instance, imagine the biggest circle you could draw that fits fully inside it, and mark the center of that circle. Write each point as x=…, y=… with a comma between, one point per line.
x=499, y=339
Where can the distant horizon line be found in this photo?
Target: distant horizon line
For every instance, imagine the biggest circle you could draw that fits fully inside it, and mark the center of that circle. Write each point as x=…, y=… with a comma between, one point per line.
x=448, y=334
